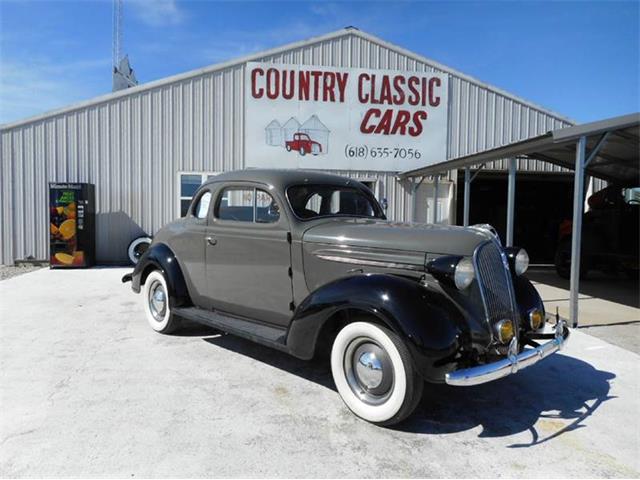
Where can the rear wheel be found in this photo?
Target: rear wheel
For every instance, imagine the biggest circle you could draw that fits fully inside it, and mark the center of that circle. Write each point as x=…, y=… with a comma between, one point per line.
x=374, y=373
x=155, y=296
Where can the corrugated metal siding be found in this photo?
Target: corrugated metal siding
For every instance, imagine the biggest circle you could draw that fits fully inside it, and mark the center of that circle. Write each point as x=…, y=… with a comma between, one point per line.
x=131, y=147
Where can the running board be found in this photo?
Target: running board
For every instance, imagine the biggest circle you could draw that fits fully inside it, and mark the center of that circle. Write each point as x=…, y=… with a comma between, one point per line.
x=270, y=336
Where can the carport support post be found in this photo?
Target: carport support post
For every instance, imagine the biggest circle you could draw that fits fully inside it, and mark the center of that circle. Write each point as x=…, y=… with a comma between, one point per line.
x=467, y=195
x=576, y=238
x=511, y=197
x=436, y=179
x=415, y=184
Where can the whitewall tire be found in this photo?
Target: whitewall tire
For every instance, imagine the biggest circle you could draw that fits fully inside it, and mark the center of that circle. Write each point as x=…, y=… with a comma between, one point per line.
x=155, y=297
x=374, y=373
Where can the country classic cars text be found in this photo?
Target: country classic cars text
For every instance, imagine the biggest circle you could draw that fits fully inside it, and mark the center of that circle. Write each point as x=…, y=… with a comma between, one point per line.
x=414, y=94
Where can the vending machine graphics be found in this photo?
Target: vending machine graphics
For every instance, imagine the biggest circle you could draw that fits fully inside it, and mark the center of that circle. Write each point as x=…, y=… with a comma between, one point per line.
x=71, y=225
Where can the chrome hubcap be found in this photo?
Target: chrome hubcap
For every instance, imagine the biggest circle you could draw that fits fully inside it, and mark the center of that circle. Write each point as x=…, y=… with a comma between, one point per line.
x=369, y=367
x=157, y=301
x=368, y=370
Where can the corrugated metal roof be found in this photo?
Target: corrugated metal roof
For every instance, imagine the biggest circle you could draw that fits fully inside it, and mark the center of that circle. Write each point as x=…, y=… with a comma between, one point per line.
x=345, y=32
x=616, y=161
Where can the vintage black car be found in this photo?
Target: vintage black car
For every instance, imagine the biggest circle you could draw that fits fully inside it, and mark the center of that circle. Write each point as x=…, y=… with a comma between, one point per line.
x=307, y=263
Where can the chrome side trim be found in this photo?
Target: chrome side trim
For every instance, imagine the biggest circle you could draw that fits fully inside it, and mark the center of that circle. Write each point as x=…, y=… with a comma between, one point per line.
x=511, y=364
x=380, y=258
x=370, y=263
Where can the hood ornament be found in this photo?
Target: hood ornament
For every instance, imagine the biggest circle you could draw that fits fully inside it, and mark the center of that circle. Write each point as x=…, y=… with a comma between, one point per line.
x=485, y=227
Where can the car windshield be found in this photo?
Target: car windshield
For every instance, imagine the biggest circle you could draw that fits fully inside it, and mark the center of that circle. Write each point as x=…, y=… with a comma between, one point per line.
x=313, y=201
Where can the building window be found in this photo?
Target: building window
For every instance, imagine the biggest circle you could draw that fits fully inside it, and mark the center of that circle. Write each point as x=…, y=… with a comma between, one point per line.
x=189, y=182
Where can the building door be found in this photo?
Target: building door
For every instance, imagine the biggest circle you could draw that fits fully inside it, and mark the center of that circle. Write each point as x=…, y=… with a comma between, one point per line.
x=425, y=203
x=248, y=256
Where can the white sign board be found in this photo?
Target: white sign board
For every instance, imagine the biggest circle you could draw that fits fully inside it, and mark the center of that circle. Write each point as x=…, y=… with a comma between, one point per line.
x=344, y=118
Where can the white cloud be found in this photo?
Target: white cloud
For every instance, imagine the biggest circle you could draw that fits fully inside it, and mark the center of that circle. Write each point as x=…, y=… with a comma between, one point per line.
x=158, y=13
x=219, y=51
x=327, y=9
x=31, y=88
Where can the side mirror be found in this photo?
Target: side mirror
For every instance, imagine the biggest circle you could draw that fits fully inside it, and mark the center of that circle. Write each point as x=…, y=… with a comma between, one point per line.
x=384, y=204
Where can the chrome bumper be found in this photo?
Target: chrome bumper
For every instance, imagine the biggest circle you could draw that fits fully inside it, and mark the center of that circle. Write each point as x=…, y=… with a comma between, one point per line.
x=514, y=361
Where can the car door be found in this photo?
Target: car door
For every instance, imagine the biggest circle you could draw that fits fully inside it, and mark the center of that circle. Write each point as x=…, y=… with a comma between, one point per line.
x=248, y=255
x=190, y=248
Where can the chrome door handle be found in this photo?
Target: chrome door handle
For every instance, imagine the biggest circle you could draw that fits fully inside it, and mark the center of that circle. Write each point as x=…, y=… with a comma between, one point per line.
x=211, y=241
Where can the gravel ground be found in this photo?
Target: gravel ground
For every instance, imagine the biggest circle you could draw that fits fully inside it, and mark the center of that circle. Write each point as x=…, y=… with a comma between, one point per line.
x=9, y=271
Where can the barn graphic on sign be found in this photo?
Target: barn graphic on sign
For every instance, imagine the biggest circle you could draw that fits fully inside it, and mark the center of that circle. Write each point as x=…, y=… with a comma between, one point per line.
x=311, y=137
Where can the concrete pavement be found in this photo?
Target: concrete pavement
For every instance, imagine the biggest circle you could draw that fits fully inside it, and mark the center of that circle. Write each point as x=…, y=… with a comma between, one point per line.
x=87, y=389
x=609, y=306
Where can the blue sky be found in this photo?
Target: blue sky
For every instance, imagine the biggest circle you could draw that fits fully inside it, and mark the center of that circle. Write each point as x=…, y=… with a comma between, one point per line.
x=580, y=59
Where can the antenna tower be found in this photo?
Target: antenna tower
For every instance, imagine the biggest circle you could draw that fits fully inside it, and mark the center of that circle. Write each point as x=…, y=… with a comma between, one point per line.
x=123, y=75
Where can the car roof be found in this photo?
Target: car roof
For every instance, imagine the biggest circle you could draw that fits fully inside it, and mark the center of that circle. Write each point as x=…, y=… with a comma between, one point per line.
x=282, y=178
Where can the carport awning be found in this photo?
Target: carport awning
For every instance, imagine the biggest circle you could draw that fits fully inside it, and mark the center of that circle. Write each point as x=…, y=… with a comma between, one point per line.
x=616, y=160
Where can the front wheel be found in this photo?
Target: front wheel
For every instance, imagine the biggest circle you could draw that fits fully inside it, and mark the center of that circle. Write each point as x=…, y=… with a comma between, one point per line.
x=155, y=297
x=374, y=373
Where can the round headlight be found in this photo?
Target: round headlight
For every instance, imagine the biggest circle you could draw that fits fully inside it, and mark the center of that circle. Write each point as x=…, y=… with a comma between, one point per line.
x=521, y=262
x=536, y=319
x=505, y=330
x=464, y=273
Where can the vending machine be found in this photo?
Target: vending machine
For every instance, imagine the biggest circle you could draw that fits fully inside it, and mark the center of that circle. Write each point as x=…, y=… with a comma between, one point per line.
x=72, y=225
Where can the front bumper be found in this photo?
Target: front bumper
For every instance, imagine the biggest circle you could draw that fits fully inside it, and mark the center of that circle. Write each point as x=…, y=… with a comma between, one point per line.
x=514, y=361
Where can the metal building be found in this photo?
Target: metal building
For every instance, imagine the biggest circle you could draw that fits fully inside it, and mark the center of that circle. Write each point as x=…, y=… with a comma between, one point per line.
x=145, y=146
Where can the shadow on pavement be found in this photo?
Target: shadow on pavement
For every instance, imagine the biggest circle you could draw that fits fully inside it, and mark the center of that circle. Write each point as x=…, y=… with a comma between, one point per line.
x=315, y=370
x=617, y=289
x=557, y=394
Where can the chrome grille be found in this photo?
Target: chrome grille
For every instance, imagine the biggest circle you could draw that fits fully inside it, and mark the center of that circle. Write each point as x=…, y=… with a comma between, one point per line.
x=494, y=281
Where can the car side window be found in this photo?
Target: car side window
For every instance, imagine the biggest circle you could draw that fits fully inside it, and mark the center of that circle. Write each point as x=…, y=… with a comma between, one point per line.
x=201, y=207
x=236, y=204
x=267, y=210
x=247, y=205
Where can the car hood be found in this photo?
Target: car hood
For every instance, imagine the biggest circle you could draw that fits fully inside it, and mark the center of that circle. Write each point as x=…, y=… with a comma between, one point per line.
x=409, y=237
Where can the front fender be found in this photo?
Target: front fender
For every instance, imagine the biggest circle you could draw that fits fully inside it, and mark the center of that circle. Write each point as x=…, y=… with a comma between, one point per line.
x=430, y=323
x=527, y=298
x=160, y=257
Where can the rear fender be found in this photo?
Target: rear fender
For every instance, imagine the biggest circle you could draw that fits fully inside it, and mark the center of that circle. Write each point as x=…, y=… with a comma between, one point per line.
x=160, y=257
x=423, y=317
